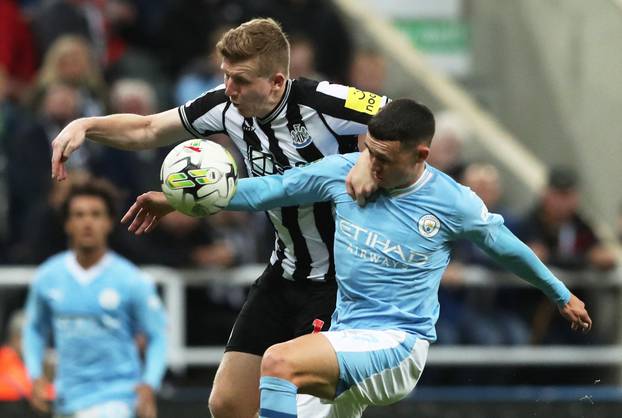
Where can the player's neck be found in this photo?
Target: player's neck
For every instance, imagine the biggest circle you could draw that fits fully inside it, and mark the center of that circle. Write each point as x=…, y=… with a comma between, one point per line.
x=416, y=175
x=273, y=101
x=87, y=258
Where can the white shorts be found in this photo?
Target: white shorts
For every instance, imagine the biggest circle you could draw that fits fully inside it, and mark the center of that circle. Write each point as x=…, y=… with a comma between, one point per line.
x=375, y=368
x=110, y=409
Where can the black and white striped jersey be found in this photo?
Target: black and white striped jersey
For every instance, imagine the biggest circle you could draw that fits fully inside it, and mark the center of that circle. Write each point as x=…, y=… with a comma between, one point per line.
x=313, y=119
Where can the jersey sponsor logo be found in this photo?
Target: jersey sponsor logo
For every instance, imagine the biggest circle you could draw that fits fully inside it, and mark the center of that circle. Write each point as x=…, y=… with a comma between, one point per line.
x=300, y=135
x=109, y=299
x=429, y=225
x=363, y=101
x=378, y=248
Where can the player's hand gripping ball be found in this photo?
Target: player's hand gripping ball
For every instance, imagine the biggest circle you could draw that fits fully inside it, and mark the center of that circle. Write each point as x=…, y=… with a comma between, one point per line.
x=198, y=177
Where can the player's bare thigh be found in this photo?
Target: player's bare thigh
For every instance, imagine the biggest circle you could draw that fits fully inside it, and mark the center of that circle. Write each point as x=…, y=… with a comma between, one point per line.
x=235, y=392
x=309, y=361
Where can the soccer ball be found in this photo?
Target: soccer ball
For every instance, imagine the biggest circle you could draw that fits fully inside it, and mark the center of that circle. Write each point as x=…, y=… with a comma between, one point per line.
x=198, y=177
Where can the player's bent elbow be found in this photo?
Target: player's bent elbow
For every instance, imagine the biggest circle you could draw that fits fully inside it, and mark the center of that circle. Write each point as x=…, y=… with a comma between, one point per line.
x=276, y=363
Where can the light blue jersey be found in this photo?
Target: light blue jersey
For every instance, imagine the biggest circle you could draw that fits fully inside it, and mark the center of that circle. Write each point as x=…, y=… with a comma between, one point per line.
x=93, y=316
x=391, y=254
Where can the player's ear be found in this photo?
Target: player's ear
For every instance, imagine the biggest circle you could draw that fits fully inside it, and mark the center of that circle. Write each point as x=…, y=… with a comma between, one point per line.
x=278, y=80
x=423, y=152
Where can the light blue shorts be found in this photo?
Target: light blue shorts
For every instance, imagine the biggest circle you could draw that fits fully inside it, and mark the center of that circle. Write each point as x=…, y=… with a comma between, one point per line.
x=375, y=368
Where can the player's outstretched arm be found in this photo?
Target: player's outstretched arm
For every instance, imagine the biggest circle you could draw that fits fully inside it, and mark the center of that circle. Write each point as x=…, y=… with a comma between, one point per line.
x=360, y=184
x=124, y=131
x=146, y=212
x=297, y=186
x=36, y=330
x=517, y=257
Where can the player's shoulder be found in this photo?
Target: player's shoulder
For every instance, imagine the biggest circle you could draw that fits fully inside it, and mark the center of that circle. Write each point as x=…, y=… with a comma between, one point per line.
x=444, y=182
x=50, y=268
x=449, y=190
x=335, y=164
x=208, y=100
x=53, y=263
x=133, y=276
x=337, y=100
x=122, y=264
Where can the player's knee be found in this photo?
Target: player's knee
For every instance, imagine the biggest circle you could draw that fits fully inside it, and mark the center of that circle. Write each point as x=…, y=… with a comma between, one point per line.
x=275, y=362
x=221, y=405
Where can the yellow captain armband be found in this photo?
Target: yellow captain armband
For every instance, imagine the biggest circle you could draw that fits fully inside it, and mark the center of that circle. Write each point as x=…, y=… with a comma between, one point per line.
x=363, y=101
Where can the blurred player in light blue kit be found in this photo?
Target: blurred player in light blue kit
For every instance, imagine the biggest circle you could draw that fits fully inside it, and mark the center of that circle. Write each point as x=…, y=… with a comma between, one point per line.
x=94, y=303
x=390, y=256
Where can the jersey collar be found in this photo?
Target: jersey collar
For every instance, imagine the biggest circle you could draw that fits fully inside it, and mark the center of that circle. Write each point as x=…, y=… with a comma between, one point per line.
x=425, y=177
x=279, y=107
x=86, y=276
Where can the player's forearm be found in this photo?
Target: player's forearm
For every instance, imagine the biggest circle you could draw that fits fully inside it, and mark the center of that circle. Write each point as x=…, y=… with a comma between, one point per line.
x=261, y=193
x=33, y=349
x=155, y=360
x=128, y=131
x=517, y=257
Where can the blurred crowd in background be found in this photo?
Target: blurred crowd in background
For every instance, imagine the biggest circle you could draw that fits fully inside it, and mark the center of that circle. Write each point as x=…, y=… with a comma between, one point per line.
x=64, y=59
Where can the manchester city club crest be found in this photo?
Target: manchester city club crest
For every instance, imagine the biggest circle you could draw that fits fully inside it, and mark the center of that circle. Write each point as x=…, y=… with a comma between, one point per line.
x=300, y=135
x=429, y=225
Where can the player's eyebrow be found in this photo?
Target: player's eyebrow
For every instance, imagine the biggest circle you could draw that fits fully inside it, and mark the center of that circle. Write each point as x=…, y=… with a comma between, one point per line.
x=376, y=153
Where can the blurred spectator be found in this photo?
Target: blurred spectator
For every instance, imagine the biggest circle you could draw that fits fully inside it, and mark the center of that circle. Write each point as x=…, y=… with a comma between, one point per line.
x=17, y=53
x=481, y=315
x=302, y=61
x=15, y=385
x=83, y=18
x=242, y=234
x=451, y=135
x=368, y=71
x=178, y=241
x=201, y=18
x=42, y=231
x=203, y=74
x=70, y=60
x=320, y=22
x=29, y=152
x=11, y=117
x=485, y=181
x=557, y=233
x=139, y=171
x=562, y=238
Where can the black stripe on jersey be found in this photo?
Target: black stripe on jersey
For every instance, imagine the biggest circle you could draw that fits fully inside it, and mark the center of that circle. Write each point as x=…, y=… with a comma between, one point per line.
x=306, y=91
x=289, y=215
x=347, y=143
x=295, y=124
x=187, y=126
x=280, y=245
x=325, y=224
x=275, y=149
x=204, y=104
x=249, y=135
